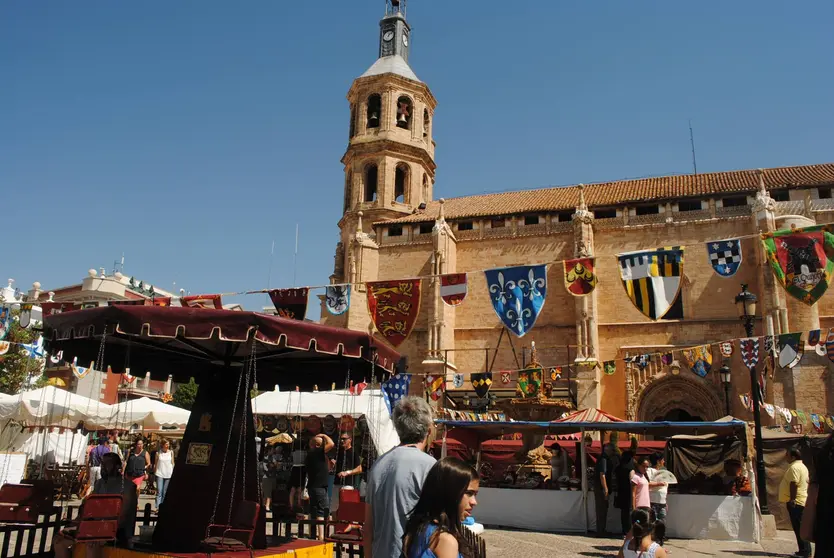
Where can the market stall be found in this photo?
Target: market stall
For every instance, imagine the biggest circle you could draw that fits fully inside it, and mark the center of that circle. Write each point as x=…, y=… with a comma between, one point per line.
x=150, y=414
x=50, y=406
x=706, y=516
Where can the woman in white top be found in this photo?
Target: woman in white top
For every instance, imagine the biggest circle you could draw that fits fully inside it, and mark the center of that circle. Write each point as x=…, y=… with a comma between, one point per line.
x=163, y=470
x=639, y=543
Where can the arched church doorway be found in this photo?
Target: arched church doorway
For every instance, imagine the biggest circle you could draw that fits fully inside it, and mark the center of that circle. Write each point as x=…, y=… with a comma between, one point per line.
x=678, y=399
x=679, y=415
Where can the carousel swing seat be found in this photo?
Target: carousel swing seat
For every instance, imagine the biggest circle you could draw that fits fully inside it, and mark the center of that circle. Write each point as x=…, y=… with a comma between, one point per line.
x=236, y=536
x=99, y=520
x=348, y=519
x=23, y=503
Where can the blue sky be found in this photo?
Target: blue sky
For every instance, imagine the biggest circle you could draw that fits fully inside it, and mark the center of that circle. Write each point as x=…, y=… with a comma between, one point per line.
x=191, y=134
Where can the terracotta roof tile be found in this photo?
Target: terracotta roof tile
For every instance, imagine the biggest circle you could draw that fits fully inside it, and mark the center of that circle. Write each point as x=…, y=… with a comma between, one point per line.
x=624, y=192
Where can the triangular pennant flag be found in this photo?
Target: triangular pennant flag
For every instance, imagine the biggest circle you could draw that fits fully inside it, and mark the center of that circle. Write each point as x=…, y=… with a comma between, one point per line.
x=725, y=256
x=337, y=299
x=290, y=303
x=699, y=359
x=799, y=262
x=481, y=382
x=202, y=301
x=580, y=278
x=652, y=279
x=394, y=306
x=609, y=367
x=518, y=295
x=453, y=288
x=435, y=385
x=395, y=389
x=790, y=349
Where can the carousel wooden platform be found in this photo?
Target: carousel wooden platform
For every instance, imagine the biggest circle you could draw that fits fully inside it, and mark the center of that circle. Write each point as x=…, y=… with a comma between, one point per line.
x=299, y=548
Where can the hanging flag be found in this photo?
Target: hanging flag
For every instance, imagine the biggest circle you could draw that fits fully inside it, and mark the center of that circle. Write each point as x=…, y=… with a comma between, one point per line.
x=457, y=380
x=790, y=349
x=770, y=345
x=814, y=337
x=726, y=349
x=290, y=303
x=505, y=378
x=394, y=306
x=80, y=371
x=829, y=344
x=4, y=347
x=5, y=320
x=725, y=256
x=518, y=295
x=770, y=410
x=580, y=278
x=337, y=299
x=481, y=382
x=357, y=389
x=34, y=350
x=56, y=358
x=642, y=361
x=815, y=420
x=453, y=288
x=555, y=373
x=830, y=421
x=202, y=301
x=25, y=317
x=652, y=279
x=787, y=414
x=126, y=376
x=667, y=359
x=435, y=385
x=609, y=367
x=699, y=359
x=529, y=382
x=749, y=347
x=394, y=389
x=799, y=262
x=801, y=416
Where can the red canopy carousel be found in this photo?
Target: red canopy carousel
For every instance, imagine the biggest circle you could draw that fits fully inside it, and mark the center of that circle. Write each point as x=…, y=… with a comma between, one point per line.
x=227, y=352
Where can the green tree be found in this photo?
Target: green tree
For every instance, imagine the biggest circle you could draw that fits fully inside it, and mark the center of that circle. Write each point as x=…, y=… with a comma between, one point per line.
x=16, y=367
x=185, y=394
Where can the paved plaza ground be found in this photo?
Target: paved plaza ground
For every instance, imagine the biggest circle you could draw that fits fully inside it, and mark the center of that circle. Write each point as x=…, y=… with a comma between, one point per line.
x=525, y=544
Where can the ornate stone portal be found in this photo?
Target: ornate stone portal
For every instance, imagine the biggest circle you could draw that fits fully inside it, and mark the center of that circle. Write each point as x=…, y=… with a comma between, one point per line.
x=667, y=393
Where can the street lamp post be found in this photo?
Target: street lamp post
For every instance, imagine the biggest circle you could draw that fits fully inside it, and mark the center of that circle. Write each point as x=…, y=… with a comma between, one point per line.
x=746, y=304
x=726, y=379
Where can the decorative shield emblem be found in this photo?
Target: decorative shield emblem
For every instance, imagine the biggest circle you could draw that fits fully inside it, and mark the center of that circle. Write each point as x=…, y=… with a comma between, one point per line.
x=4, y=347
x=80, y=371
x=580, y=278
x=435, y=384
x=801, y=416
x=770, y=410
x=829, y=344
x=609, y=367
x=5, y=317
x=642, y=361
x=290, y=303
x=726, y=349
x=505, y=378
x=814, y=337
x=749, y=347
x=453, y=288
x=830, y=421
x=329, y=424
x=347, y=423
x=790, y=349
x=481, y=382
x=770, y=345
x=518, y=295
x=394, y=389
x=652, y=279
x=725, y=256
x=25, y=316
x=787, y=414
x=529, y=382
x=394, y=306
x=337, y=299
x=56, y=358
x=699, y=359
x=799, y=262
x=555, y=373
x=667, y=359
x=815, y=420
x=312, y=424
x=202, y=301
x=457, y=380
x=282, y=424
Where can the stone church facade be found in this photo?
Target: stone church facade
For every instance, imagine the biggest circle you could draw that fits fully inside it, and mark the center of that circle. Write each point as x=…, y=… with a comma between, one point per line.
x=393, y=226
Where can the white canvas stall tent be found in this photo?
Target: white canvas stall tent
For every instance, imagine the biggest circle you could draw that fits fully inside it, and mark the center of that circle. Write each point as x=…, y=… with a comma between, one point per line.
x=150, y=414
x=56, y=447
x=51, y=406
x=337, y=403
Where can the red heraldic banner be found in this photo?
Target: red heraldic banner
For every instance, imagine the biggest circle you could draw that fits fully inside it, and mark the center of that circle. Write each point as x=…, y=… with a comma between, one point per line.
x=394, y=306
x=580, y=278
x=202, y=301
x=453, y=288
x=290, y=303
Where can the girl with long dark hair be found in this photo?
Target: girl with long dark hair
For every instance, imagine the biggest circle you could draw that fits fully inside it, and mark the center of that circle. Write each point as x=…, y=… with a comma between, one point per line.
x=644, y=529
x=434, y=528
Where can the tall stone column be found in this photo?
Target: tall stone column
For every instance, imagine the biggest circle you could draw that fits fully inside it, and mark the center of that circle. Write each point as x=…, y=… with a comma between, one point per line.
x=588, y=394
x=771, y=296
x=362, y=266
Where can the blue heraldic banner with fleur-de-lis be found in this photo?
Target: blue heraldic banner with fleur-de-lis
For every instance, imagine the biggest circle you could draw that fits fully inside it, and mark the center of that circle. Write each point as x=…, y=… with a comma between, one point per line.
x=517, y=295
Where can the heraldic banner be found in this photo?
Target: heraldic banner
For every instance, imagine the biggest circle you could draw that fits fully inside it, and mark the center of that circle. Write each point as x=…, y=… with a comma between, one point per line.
x=724, y=256
x=435, y=385
x=290, y=303
x=652, y=279
x=394, y=306
x=337, y=299
x=481, y=382
x=799, y=261
x=580, y=278
x=518, y=295
x=699, y=359
x=453, y=288
x=529, y=382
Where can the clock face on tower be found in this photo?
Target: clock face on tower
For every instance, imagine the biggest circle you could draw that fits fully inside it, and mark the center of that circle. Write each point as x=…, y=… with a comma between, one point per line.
x=388, y=36
x=405, y=40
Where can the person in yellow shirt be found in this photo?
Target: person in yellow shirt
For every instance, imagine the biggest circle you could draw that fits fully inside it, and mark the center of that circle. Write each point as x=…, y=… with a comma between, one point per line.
x=793, y=491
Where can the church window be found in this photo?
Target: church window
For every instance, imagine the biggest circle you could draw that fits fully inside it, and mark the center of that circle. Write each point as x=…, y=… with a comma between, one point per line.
x=425, y=188
x=466, y=226
x=564, y=216
x=498, y=223
x=374, y=110
x=371, y=182
x=426, y=228
x=605, y=213
x=404, y=108
x=689, y=205
x=647, y=209
x=824, y=193
x=780, y=195
x=531, y=219
x=352, y=120
x=348, y=188
x=395, y=231
x=426, y=123
x=734, y=201
x=402, y=176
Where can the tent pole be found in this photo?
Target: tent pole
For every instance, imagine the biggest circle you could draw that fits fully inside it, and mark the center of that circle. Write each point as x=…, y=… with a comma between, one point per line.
x=583, y=460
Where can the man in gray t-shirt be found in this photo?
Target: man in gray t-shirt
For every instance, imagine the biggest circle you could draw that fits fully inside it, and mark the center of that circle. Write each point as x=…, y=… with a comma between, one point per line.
x=396, y=480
